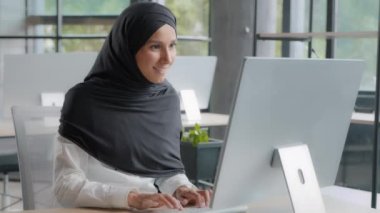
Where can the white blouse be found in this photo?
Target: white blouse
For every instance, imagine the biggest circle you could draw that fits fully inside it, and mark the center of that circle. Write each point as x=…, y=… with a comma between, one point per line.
x=83, y=181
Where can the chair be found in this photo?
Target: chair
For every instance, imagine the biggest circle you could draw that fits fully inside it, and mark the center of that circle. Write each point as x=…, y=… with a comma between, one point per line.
x=8, y=163
x=35, y=129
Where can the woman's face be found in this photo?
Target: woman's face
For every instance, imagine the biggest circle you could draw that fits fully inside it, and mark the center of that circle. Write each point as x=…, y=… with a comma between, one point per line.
x=157, y=55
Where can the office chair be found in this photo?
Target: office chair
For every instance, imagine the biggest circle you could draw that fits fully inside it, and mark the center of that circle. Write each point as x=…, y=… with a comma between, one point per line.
x=8, y=163
x=35, y=129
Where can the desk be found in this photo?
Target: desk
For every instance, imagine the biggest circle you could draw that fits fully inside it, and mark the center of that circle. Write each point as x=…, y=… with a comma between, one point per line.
x=6, y=128
x=337, y=200
x=208, y=119
x=346, y=200
x=77, y=210
x=332, y=204
x=363, y=118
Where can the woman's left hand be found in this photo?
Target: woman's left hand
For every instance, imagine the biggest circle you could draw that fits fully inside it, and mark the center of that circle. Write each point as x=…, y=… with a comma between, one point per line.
x=193, y=197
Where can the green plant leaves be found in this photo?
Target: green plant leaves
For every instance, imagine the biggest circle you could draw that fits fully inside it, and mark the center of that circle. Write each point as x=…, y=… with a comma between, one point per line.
x=195, y=135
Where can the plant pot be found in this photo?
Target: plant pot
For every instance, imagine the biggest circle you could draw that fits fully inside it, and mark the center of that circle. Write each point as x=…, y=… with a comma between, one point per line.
x=201, y=161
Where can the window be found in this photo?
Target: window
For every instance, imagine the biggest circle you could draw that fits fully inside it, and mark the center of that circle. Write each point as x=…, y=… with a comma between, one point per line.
x=192, y=26
x=45, y=26
x=354, y=35
x=353, y=17
x=81, y=25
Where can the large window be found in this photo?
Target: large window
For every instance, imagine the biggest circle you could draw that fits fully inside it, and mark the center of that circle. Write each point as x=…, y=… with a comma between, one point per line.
x=364, y=17
x=58, y=25
x=45, y=26
x=304, y=29
x=192, y=25
x=81, y=25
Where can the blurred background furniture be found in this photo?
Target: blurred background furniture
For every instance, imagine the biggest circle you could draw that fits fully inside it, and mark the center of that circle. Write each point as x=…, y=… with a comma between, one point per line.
x=35, y=129
x=8, y=164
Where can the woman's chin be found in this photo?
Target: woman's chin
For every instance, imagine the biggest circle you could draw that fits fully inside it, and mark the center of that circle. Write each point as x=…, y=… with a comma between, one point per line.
x=157, y=80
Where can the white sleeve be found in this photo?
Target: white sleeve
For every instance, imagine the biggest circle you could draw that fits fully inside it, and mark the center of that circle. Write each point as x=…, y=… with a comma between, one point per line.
x=73, y=189
x=168, y=185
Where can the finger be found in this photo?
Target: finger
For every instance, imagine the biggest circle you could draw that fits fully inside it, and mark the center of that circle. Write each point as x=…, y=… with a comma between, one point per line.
x=184, y=201
x=171, y=202
x=200, y=201
x=194, y=196
x=162, y=199
x=148, y=203
x=207, y=196
x=211, y=191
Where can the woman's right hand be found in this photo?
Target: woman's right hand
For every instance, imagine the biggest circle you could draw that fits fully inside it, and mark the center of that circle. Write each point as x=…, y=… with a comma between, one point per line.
x=144, y=201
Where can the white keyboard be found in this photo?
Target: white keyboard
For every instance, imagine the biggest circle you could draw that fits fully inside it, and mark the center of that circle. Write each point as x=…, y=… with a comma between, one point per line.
x=185, y=210
x=240, y=209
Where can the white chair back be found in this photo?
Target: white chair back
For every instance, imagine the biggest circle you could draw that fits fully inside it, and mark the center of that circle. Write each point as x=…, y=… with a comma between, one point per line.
x=35, y=129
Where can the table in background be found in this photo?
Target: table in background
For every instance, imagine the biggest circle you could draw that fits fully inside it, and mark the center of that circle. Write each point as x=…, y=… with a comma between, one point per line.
x=6, y=128
x=363, y=118
x=208, y=119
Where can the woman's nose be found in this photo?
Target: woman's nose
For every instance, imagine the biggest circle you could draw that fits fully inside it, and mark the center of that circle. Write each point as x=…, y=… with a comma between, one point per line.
x=167, y=56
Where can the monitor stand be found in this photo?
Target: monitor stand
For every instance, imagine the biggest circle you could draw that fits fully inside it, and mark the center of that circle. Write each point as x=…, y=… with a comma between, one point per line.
x=301, y=181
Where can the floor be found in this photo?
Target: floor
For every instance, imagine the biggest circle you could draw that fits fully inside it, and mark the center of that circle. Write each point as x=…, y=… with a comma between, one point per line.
x=14, y=189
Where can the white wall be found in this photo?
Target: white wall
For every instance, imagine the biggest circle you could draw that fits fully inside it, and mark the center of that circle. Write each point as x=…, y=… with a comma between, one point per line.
x=12, y=22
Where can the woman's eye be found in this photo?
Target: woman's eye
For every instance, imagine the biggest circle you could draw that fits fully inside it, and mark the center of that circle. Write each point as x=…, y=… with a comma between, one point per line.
x=173, y=45
x=155, y=47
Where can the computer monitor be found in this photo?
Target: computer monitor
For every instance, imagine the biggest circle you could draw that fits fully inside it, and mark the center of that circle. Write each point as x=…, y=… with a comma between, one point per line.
x=194, y=73
x=27, y=78
x=279, y=102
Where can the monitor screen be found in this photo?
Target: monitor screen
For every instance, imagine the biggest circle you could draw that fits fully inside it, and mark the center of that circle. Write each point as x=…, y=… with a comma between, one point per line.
x=28, y=77
x=283, y=101
x=194, y=73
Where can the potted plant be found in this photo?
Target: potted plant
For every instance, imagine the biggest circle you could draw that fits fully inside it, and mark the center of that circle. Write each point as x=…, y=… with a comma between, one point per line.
x=200, y=154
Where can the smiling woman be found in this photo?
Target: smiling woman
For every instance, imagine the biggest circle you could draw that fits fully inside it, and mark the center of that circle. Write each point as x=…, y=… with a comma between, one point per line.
x=158, y=54
x=119, y=137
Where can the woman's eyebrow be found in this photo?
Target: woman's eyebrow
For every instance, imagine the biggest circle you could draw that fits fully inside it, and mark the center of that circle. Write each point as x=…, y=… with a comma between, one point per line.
x=158, y=41
x=154, y=41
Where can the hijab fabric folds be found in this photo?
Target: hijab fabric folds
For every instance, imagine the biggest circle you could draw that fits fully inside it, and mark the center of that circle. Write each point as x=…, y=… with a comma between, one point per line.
x=116, y=115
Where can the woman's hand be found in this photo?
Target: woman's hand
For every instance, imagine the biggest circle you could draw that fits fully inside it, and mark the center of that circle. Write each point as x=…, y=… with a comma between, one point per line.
x=144, y=201
x=193, y=197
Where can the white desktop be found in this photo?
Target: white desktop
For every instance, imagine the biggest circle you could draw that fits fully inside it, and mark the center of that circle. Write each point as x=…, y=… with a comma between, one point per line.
x=282, y=102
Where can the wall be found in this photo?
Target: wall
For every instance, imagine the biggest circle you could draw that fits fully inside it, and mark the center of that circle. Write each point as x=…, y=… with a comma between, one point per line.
x=12, y=19
x=231, y=29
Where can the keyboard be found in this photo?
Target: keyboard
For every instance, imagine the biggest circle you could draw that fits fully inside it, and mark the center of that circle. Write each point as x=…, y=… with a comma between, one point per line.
x=185, y=210
x=240, y=209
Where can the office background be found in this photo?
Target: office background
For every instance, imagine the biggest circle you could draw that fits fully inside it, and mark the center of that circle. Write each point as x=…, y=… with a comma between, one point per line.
x=230, y=30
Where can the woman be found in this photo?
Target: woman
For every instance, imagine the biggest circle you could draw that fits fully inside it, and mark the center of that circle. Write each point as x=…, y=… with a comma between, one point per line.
x=118, y=142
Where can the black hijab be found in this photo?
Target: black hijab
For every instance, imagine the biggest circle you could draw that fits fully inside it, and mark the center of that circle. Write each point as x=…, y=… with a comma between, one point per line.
x=116, y=115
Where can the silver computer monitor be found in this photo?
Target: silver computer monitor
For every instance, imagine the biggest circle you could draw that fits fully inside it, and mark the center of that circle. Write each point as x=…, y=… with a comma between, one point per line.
x=28, y=77
x=283, y=101
x=194, y=73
